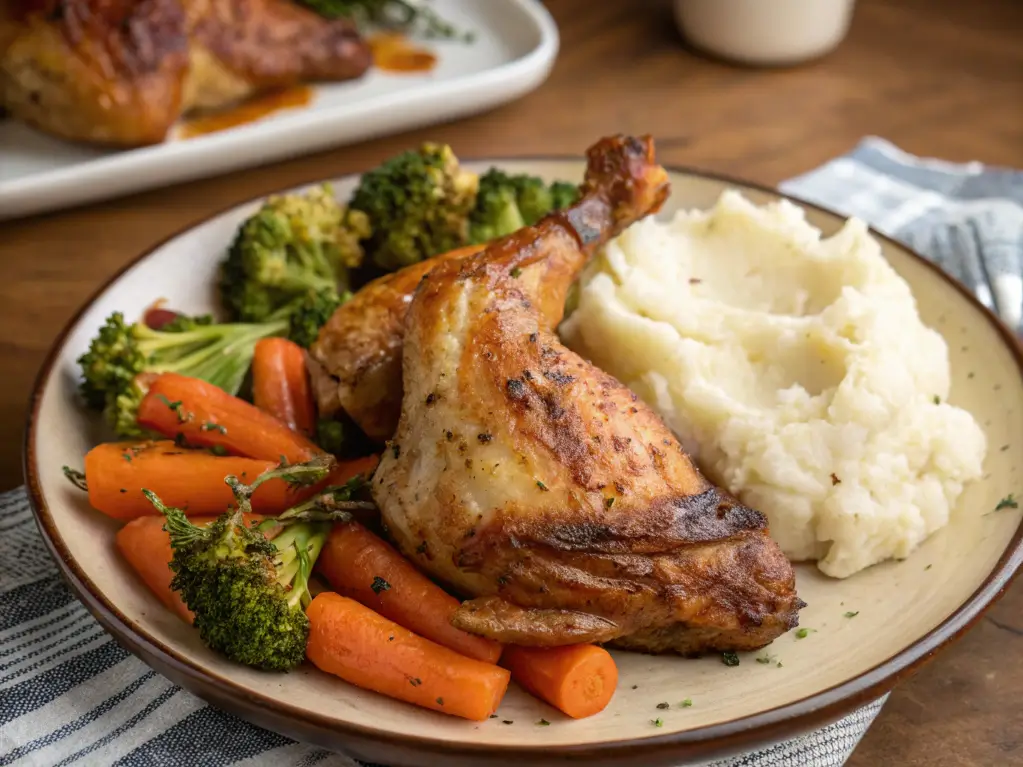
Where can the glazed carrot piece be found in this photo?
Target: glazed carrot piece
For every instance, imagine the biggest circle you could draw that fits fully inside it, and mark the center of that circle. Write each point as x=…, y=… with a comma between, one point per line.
x=577, y=679
x=116, y=472
x=280, y=383
x=201, y=414
x=351, y=641
x=358, y=564
x=146, y=546
x=345, y=470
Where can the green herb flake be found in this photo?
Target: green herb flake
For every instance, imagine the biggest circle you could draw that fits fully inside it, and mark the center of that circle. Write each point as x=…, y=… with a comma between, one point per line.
x=507, y=721
x=852, y=614
x=804, y=633
x=493, y=716
x=544, y=723
x=515, y=272
x=657, y=722
x=764, y=659
x=1008, y=502
x=687, y=703
x=730, y=659
x=440, y=701
x=221, y=451
x=778, y=664
x=210, y=426
x=126, y=456
x=609, y=502
x=395, y=449
x=541, y=485
x=937, y=400
x=379, y=585
x=415, y=681
x=928, y=567
x=663, y=705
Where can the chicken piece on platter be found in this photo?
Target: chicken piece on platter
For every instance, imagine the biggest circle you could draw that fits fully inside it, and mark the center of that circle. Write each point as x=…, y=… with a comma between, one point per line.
x=527, y=478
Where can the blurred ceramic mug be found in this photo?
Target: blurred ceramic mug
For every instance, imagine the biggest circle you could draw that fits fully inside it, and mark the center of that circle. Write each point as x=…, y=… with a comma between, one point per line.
x=764, y=32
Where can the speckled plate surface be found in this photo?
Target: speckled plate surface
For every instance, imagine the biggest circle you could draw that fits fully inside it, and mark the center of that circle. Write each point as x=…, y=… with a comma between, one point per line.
x=906, y=610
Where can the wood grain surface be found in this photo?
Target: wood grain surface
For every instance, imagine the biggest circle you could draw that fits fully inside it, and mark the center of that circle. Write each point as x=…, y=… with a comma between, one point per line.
x=938, y=77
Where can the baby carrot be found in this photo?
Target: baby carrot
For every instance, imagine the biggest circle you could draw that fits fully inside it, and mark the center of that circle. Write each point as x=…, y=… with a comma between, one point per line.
x=577, y=679
x=116, y=472
x=280, y=383
x=205, y=415
x=146, y=546
x=358, y=564
x=353, y=642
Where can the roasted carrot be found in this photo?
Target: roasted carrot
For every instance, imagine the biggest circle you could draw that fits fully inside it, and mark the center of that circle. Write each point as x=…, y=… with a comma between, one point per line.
x=360, y=565
x=577, y=679
x=345, y=470
x=146, y=546
x=280, y=383
x=201, y=414
x=351, y=641
x=116, y=472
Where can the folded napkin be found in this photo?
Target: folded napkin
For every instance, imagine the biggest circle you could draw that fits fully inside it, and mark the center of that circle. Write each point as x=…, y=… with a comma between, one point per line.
x=70, y=696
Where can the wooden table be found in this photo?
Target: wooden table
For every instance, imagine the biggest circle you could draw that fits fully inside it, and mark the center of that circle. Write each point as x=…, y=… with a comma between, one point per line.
x=938, y=77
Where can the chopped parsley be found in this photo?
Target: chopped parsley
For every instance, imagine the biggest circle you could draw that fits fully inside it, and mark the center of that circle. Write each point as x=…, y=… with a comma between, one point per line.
x=609, y=502
x=937, y=400
x=379, y=585
x=484, y=437
x=663, y=705
x=730, y=659
x=852, y=614
x=415, y=681
x=541, y=485
x=804, y=633
x=658, y=722
x=1008, y=502
x=493, y=716
x=421, y=548
x=210, y=426
x=765, y=659
x=507, y=721
x=124, y=490
x=219, y=450
x=544, y=723
x=687, y=703
x=396, y=449
x=77, y=478
x=440, y=701
x=515, y=272
x=928, y=567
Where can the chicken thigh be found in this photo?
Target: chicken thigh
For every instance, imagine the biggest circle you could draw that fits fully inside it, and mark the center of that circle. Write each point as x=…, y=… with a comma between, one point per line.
x=529, y=479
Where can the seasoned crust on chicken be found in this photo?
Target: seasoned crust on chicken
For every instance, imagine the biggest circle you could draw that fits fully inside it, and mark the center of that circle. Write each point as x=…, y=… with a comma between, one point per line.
x=522, y=475
x=123, y=71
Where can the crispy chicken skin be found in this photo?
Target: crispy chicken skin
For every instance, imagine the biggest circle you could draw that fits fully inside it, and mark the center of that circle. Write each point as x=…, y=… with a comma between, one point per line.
x=523, y=476
x=123, y=71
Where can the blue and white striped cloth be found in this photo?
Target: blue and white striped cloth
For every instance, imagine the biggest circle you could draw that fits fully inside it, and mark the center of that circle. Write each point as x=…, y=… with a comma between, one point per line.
x=70, y=696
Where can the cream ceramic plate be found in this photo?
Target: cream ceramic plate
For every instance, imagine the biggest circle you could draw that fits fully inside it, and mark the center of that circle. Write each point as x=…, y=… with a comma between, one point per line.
x=906, y=610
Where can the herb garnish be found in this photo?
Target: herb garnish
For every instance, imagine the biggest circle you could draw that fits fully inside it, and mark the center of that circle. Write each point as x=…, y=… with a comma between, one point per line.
x=77, y=478
x=379, y=585
x=210, y=426
x=219, y=450
x=687, y=703
x=658, y=722
x=507, y=721
x=663, y=705
x=440, y=701
x=515, y=272
x=541, y=485
x=544, y=723
x=730, y=659
x=609, y=502
x=937, y=400
x=852, y=614
x=1008, y=502
x=415, y=681
x=804, y=633
x=765, y=659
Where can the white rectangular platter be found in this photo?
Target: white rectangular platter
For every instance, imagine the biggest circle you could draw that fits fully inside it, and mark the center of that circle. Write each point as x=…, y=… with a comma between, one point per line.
x=515, y=45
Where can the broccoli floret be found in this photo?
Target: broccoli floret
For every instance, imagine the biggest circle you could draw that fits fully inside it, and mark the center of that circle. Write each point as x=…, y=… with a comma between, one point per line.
x=294, y=243
x=121, y=358
x=506, y=203
x=311, y=313
x=249, y=594
x=418, y=205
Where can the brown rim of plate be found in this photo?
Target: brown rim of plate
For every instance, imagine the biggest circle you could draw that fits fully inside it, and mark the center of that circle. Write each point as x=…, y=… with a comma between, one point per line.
x=774, y=725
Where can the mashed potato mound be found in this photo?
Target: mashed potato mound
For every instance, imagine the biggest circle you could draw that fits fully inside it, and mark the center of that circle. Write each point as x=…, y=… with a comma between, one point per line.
x=795, y=369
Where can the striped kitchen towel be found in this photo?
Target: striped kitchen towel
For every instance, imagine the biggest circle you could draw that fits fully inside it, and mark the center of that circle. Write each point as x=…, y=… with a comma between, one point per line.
x=70, y=696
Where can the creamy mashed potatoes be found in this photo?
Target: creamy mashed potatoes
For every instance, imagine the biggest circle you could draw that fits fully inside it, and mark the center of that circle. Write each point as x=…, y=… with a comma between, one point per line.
x=795, y=369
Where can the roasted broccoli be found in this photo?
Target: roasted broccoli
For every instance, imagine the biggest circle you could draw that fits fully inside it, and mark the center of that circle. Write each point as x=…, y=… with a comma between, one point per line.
x=115, y=368
x=294, y=244
x=506, y=203
x=248, y=593
x=311, y=312
x=418, y=205
x=404, y=15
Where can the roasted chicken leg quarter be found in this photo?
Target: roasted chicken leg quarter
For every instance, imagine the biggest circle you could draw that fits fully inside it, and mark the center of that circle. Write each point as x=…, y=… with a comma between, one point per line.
x=525, y=477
